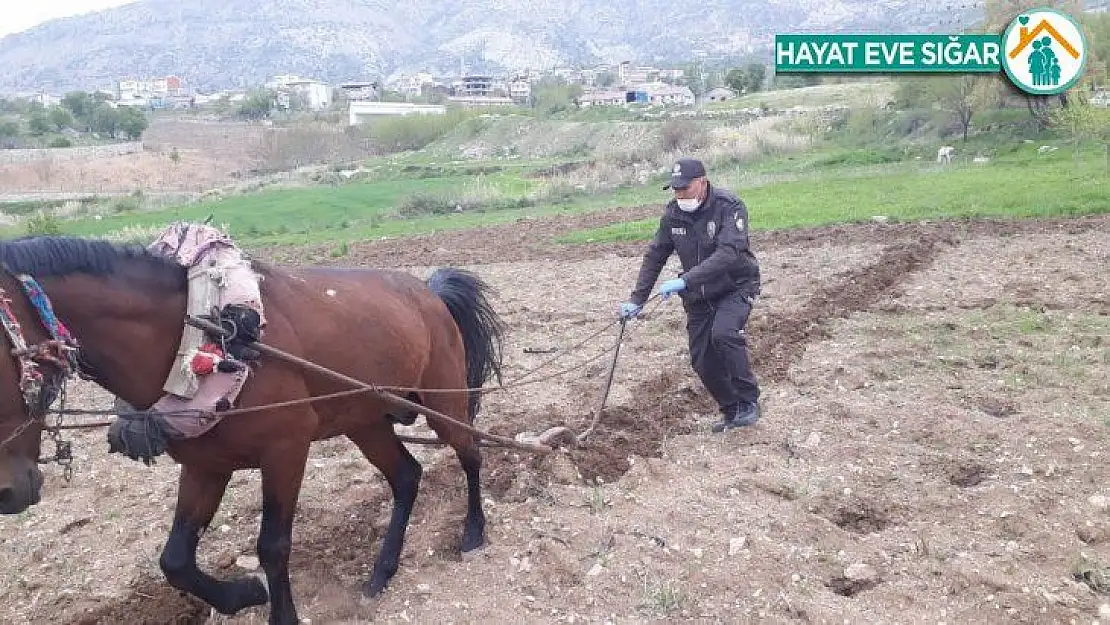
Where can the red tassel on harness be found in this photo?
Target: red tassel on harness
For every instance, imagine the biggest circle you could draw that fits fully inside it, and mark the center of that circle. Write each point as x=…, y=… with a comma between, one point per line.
x=205, y=360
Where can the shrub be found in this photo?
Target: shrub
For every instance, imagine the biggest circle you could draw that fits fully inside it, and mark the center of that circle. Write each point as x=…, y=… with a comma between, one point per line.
x=421, y=204
x=43, y=224
x=412, y=132
x=682, y=134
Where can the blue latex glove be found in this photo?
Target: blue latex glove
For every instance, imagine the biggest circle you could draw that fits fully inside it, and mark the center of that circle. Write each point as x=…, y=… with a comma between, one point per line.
x=629, y=310
x=670, y=287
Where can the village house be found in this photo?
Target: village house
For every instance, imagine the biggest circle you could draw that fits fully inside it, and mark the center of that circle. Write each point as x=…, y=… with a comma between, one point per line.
x=152, y=92
x=520, y=91
x=357, y=91
x=672, y=74
x=475, y=86
x=316, y=95
x=360, y=111
x=603, y=98
x=653, y=93
x=662, y=93
x=412, y=85
x=41, y=97
x=629, y=75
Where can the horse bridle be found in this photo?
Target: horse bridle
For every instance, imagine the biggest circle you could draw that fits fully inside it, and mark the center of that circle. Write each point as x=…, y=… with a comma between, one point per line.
x=39, y=388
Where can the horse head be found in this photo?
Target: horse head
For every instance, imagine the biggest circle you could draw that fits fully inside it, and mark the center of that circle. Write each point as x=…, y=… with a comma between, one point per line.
x=106, y=294
x=27, y=386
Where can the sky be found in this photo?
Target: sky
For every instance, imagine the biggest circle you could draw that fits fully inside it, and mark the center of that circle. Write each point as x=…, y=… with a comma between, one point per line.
x=19, y=15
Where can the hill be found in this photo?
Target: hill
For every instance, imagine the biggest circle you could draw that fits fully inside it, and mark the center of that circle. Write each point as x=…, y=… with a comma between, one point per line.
x=229, y=43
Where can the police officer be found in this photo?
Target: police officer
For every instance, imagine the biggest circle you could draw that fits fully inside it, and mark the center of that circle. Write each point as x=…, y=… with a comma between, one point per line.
x=708, y=228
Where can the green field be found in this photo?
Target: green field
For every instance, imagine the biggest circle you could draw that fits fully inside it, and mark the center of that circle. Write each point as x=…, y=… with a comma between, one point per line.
x=818, y=188
x=491, y=169
x=1021, y=184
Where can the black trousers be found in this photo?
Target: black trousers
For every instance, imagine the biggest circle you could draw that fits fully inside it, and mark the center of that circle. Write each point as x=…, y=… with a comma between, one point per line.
x=719, y=349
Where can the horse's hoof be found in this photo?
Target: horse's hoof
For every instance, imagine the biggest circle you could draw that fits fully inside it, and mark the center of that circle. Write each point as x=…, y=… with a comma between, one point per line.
x=243, y=593
x=473, y=542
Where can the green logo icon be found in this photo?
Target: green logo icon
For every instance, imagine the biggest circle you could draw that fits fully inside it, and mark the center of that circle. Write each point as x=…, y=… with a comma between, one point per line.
x=1044, y=52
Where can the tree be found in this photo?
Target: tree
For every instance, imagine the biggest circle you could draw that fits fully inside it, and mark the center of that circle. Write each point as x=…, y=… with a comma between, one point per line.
x=60, y=118
x=552, y=98
x=695, y=79
x=1097, y=31
x=1083, y=121
x=131, y=122
x=754, y=76
x=960, y=97
x=257, y=105
x=105, y=121
x=8, y=130
x=736, y=80
x=79, y=103
x=38, y=122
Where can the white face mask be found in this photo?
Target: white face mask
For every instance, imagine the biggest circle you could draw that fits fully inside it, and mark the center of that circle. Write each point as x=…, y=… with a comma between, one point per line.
x=689, y=205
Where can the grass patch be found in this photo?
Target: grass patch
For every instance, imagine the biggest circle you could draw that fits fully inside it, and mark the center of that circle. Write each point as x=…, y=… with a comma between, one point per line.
x=311, y=215
x=27, y=207
x=1051, y=185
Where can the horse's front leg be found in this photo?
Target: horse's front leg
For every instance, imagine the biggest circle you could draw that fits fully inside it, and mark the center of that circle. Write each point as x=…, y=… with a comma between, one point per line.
x=282, y=473
x=198, y=497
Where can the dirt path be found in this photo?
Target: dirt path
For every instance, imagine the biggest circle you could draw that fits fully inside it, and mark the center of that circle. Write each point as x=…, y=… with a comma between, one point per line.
x=935, y=399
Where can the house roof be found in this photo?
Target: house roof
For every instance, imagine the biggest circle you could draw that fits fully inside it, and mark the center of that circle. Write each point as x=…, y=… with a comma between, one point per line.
x=1028, y=36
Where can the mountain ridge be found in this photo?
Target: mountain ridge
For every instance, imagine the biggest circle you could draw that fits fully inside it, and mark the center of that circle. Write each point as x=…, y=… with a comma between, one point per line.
x=214, y=44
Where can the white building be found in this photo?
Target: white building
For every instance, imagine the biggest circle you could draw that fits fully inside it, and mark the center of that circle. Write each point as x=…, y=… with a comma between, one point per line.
x=628, y=74
x=520, y=91
x=360, y=111
x=662, y=93
x=603, y=98
x=316, y=95
x=45, y=99
x=130, y=91
x=411, y=84
x=357, y=91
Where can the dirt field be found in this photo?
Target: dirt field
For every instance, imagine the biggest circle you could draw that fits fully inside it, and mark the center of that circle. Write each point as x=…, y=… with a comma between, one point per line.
x=936, y=401
x=209, y=155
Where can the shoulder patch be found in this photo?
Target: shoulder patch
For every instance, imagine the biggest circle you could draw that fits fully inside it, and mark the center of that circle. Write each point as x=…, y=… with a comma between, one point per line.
x=711, y=229
x=739, y=216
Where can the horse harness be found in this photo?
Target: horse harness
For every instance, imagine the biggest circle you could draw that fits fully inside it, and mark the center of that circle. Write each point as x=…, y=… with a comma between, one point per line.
x=40, y=388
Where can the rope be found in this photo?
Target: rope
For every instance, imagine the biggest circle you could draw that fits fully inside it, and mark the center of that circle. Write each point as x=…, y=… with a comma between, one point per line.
x=520, y=380
x=489, y=439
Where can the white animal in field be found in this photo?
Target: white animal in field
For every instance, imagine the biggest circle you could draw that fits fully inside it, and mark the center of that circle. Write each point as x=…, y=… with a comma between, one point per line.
x=945, y=153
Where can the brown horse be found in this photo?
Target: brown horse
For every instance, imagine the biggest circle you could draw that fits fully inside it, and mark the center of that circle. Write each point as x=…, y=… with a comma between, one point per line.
x=125, y=307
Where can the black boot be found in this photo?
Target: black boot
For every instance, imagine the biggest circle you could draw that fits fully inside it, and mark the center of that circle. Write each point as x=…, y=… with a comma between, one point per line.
x=746, y=414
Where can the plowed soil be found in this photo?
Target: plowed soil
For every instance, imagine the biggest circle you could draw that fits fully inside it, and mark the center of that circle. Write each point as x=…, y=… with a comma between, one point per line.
x=935, y=403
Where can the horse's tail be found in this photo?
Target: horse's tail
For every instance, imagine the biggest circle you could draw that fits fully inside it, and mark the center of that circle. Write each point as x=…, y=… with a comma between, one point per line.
x=482, y=330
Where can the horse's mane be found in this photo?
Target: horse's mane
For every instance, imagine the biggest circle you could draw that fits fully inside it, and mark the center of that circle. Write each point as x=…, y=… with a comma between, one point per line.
x=44, y=256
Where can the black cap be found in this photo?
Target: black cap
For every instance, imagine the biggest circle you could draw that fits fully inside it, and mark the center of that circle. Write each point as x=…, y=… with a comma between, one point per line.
x=685, y=170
